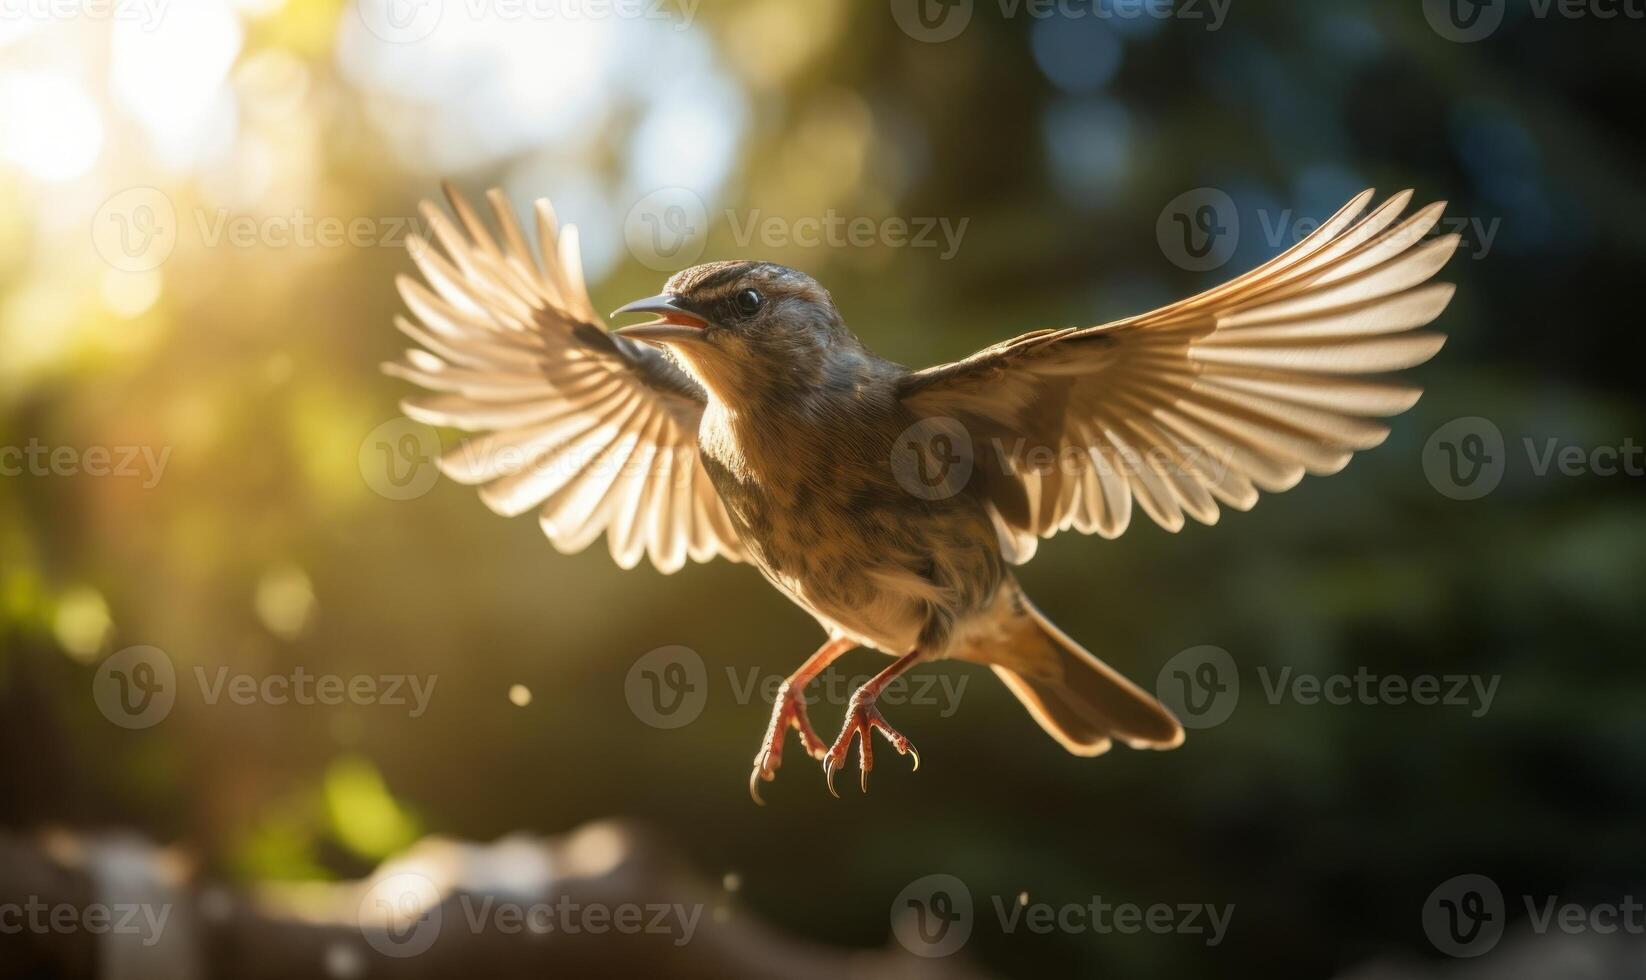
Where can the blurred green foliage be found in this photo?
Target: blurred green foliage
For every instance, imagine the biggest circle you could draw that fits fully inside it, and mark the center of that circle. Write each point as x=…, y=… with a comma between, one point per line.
x=263, y=549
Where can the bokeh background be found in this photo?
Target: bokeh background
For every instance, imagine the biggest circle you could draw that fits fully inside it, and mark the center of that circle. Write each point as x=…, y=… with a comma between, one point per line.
x=1061, y=139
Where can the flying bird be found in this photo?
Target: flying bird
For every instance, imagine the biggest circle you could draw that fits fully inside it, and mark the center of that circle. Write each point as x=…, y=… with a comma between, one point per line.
x=747, y=422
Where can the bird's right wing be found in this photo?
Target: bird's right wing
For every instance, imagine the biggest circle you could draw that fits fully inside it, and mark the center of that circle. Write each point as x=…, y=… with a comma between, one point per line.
x=597, y=432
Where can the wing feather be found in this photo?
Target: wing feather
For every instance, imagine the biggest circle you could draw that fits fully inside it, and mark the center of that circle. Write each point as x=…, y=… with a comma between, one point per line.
x=1247, y=387
x=595, y=432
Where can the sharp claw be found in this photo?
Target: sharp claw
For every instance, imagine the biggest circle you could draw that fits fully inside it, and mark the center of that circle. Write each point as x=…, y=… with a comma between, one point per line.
x=863, y=779
x=916, y=758
x=754, y=777
x=828, y=777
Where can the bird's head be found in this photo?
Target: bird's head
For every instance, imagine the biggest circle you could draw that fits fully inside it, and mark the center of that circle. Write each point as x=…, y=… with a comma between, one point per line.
x=737, y=326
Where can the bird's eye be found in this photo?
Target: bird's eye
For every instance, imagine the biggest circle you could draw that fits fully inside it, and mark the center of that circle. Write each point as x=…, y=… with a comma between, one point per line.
x=749, y=301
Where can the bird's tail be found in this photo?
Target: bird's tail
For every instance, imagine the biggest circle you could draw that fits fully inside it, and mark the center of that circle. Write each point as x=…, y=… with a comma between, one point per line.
x=1080, y=700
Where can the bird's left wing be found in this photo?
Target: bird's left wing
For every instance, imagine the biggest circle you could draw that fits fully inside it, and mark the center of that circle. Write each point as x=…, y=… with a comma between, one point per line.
x=597, y=432
x=1246, y=387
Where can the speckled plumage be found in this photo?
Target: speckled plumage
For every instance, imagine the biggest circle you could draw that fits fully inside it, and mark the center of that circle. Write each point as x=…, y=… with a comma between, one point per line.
x=797, y=438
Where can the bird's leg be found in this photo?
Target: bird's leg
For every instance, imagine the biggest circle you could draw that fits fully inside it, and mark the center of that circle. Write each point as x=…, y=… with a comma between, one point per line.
x=863, y=719
x=789, y=711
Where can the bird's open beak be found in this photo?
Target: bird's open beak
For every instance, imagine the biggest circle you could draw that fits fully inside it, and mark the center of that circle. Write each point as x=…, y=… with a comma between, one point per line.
x=673, y=322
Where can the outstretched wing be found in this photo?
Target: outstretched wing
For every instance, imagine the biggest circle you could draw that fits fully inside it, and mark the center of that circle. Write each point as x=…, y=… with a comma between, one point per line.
x=597, y=432
x=1243, y=388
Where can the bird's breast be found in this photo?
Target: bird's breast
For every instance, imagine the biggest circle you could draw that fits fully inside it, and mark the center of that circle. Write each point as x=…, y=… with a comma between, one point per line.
x=819, y=510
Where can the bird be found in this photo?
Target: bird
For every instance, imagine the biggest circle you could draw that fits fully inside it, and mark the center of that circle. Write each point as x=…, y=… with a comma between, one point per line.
x=745, y=421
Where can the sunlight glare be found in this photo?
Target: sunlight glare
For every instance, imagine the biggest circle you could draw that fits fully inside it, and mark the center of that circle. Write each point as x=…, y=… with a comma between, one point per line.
x=171, y=79
x=48, y=125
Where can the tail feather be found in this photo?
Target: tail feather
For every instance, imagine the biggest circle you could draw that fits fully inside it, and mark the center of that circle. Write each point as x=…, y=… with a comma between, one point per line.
x=1078, y=699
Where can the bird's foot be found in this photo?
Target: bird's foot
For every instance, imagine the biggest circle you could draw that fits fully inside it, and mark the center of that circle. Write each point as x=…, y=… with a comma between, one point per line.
x=788, y=711
x=863, y=718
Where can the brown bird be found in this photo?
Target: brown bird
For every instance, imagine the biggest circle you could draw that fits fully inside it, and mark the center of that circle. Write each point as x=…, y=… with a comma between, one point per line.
x=747, y=422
